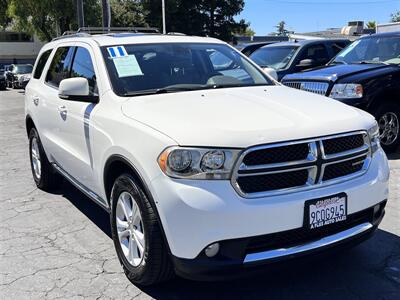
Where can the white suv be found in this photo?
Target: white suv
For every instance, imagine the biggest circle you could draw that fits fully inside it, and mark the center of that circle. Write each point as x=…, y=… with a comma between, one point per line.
x=206, y=164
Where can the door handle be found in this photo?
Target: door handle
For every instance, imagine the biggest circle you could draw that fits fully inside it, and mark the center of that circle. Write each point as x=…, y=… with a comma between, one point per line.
x=63, y=111
x=35, y=100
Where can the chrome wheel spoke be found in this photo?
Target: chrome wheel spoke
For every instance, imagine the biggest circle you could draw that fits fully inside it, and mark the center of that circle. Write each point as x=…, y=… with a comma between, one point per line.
x=389, y=128
x=130, y=228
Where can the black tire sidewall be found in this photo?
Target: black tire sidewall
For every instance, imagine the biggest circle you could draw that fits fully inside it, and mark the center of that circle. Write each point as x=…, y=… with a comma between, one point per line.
x=379, y=112
x=126, y=183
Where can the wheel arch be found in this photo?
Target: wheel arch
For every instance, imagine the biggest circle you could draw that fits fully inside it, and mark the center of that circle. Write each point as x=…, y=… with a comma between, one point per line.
x=29, y=124
x=391, y=95
x=117, y=165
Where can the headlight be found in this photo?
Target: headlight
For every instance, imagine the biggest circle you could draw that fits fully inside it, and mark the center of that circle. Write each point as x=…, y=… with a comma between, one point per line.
x=373, y=134
x=346, y=91
x=198, y=163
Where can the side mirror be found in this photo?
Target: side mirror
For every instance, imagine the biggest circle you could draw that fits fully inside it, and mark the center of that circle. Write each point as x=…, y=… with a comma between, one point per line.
x=306, y=63
x=271, y=72
x=76, y=89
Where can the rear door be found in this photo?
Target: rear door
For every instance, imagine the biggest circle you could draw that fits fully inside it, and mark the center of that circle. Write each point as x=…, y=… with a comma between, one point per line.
x=48, y=103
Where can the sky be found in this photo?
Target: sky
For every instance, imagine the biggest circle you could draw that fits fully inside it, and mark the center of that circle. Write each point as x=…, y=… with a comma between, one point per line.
x=314, y=15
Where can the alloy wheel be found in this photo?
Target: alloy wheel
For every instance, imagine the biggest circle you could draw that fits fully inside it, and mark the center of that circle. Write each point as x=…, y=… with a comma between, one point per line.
x=35, y=154
x=130, y=229
x=388, y=128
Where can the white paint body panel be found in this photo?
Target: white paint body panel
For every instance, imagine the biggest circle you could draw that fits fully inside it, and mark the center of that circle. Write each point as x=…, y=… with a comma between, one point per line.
x=195, y=213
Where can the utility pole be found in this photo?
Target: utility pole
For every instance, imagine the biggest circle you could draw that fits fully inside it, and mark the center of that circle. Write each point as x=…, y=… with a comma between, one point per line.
x=164, y=29
x=81, y=18
x=106, y=13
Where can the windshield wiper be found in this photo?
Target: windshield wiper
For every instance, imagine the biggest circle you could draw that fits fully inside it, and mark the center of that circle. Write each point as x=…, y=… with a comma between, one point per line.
x=371, y=62
x=338, y=62
x=164, y=90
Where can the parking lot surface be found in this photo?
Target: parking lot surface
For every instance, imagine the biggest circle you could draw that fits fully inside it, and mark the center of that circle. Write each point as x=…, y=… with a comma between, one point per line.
x=58, y=245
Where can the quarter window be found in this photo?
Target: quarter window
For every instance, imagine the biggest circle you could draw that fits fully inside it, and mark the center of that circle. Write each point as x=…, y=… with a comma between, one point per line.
x=41, y=63
x=83, y=67
x=60, y=66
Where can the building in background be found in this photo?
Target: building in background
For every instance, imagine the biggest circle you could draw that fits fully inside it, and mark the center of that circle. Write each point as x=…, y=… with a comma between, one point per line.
x=18, y=47
x=389, y=27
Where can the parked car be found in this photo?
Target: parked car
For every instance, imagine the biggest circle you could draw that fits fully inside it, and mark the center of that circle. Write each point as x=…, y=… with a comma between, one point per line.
x=3, y=84
x=17, y=72
x=204, y=174
x=291, y=57
x=248, y=49
x=367, y=75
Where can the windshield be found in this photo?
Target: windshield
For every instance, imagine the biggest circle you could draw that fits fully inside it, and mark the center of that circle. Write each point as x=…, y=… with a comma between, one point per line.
x=274, y=57
x=371, y=50
x=23, y=69
x=171, y=67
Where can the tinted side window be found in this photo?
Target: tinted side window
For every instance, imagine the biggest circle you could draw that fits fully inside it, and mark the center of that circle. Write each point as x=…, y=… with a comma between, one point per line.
x=338, y=46
x=41, y=63
x=60, y=66
x=83, y=67
x=318, y=53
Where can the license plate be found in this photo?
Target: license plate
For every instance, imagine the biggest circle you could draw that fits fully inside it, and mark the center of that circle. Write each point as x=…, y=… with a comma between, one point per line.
x=326, y=211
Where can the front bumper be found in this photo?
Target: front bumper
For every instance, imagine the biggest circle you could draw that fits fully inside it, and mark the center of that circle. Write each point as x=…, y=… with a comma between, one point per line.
x=232, y=260
x=197, y=213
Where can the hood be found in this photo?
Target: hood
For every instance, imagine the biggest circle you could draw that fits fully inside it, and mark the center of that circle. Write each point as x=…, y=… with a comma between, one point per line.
x=245, y=116
x=335, y=72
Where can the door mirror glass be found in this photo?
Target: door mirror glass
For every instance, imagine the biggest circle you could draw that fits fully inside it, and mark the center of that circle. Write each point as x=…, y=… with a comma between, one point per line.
x=76, y=89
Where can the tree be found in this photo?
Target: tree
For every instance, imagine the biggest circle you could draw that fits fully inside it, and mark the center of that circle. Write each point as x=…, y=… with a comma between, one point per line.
x=4, y=19
x=198, y=17
x=395, y=17
x=126, y=13
x=281, y=30
x=371, y=24
x=49, y=18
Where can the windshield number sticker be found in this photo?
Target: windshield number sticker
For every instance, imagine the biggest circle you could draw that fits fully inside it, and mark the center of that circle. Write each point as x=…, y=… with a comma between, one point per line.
x=127, y=66
x=118, y=51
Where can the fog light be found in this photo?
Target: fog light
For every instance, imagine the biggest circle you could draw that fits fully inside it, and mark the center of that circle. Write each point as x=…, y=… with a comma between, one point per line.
x=212, y=250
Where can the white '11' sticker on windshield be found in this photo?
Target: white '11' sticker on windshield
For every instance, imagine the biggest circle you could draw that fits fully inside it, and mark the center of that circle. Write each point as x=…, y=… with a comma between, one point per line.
x=127, y=66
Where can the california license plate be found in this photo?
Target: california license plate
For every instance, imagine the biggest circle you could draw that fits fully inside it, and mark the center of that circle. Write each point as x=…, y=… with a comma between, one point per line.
x=326, y=211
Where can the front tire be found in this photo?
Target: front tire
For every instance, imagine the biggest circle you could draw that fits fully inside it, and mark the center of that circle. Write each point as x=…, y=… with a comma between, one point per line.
x=388, y=117
x=137, y=234
x=43, y=173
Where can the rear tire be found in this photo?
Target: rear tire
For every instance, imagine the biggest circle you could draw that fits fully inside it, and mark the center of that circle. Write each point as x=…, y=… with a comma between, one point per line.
x=43, y=173
x=153, y=265
x=388, y=118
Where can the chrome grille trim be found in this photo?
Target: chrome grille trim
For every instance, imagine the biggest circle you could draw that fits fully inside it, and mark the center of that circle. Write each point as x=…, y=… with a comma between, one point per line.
x=316, y=149
x=316, y=87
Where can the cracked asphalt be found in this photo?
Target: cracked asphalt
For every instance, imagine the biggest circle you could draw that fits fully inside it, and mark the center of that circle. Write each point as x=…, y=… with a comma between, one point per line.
x=58, y=245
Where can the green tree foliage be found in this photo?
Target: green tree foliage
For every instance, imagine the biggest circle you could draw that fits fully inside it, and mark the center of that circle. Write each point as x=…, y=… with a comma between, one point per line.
x=395, y=17
x=199, y=17
x=371, y=24
x=126, y=13
x=281, y=28
x=4, y=19
x=49, y=18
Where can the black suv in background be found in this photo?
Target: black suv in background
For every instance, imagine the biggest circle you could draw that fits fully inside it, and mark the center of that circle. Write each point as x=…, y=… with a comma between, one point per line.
x=2, y=79
x=291, y=57
x=366, y=74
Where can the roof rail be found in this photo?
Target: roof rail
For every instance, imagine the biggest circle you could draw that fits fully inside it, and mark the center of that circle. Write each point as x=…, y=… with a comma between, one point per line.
x=100, y=30
x=88, y=31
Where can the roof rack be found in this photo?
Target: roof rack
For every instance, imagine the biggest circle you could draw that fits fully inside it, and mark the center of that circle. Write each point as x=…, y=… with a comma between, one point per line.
x=88, y=31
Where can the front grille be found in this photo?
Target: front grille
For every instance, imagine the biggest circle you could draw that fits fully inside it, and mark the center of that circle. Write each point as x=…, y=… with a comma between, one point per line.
x=280, y=168
x=303, y=235
x=277, y=155
x=316, y=87
x=342, y=144
x=259, y=183
x=343, y=168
